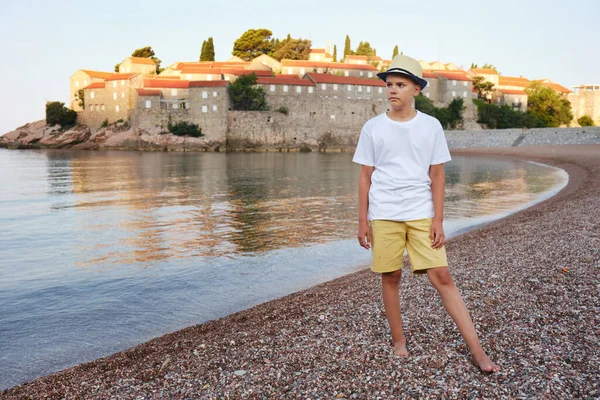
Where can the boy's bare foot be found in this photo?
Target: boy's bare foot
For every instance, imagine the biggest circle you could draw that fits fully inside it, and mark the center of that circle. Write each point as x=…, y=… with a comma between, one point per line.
x=400, y=349
x=485, y=364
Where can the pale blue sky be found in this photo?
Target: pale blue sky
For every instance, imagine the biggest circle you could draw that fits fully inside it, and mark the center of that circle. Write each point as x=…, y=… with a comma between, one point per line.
x=45, y=42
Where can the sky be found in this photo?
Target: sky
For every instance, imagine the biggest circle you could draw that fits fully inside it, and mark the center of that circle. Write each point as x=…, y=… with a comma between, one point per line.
x=44, y=42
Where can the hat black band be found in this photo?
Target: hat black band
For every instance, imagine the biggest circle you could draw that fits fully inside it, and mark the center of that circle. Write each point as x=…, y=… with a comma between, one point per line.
x=401, y=70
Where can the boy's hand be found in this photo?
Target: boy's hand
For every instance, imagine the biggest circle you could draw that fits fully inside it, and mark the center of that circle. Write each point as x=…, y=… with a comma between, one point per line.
x=436, y=233
x=364, y=235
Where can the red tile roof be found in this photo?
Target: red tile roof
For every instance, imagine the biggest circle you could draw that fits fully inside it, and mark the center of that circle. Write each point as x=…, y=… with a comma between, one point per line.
x=208, y=83
x=240, y=72
x=509, y=91
x=196, y=70
x=121, y=77
x=286, y=76
x=344, y=80
x=429, y=74
x=484, y=71
x=166, y=83
x=286, y=81
x=211, y=64
x=456, y=75
x=351, y=57
x=330, y=65
x=317, y=50
x=168, y=77
x=97, y=74
x=513, y=81
x=146, y=92
x=557, y=87
x=96, y=85
x=141, y=60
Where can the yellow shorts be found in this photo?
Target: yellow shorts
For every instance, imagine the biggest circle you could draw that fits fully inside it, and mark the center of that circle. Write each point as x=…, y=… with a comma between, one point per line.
x=390, y=238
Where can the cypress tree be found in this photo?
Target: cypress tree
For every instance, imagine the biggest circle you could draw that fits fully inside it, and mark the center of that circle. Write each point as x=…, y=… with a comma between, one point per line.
x=334, y=53
x=395, y=53
x=347, y=48
x=210, y=50
x=203, y=51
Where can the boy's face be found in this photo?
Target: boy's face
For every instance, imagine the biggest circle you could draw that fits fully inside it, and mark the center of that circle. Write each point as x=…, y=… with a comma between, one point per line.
x=400, y=90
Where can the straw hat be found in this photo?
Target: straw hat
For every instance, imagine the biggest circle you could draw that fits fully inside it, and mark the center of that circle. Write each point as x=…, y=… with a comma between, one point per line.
x=405, y=65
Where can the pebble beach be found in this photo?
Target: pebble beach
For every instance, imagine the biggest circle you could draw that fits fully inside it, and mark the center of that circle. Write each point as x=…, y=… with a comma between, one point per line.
x=531, y=282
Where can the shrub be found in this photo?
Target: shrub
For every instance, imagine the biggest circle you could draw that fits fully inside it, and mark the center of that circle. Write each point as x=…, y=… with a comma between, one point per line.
x=449, y=116
x=246, y=95
x=185, y=128
x=57, y=113
x=586, y=120
x=105, y=123
x=283, y=110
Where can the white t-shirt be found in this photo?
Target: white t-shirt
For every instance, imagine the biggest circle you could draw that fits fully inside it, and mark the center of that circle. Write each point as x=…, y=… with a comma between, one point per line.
x=401, y=153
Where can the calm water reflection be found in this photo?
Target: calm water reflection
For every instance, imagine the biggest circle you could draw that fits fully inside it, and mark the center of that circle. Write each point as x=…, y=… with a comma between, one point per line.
x=102, y=250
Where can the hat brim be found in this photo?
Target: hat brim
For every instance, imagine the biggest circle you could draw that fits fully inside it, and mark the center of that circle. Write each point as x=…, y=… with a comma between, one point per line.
x=419, y=81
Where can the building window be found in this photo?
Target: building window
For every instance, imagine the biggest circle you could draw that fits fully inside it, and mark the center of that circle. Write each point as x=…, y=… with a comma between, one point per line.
x=209, y=78
x=214, y=94
x=370, y=75
x=335, y=86
x=298, y=89
x=349, y=88
x=332, y=116
x=205, y=95
x=465, y=94
x=361, y=73
x=272, y=88
x=76, y=83
x=122, y=83
x=215, y=107
x=122, y=95
x=427, y=94
x=454, y=83
x=465, y=83
x=175, y=106
x=324, y=86
x=85, y=82
x=114, y=84
x=102, y=107
x=117, y=108
x=114, y=96
x=173, y=92
x=204, y=109
x=453, y=93
x=188, y=77
x=380, y=90
x=302, y=71
x=285, y=88
x=310, y=89
x=92, y=95
x=290, y=70
x=346, y=73
x=360, y=89
x=368, y=89
x=148, y=103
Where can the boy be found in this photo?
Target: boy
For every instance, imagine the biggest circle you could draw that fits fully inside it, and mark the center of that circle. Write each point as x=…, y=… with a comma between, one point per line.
x=401, y=202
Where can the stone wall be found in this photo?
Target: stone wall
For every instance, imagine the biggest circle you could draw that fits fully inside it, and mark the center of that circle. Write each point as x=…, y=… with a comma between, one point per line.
x=522, y=137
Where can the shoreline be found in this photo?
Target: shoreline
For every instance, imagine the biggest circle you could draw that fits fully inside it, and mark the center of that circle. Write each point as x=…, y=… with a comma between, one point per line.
x=333, y=340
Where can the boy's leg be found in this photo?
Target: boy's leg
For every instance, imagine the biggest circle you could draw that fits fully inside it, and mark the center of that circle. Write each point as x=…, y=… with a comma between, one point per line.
x=454, y=305
x=391, y=301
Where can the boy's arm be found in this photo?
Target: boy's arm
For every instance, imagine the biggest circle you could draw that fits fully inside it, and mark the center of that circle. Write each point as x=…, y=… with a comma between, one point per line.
x=364, y=185
x=438, y=181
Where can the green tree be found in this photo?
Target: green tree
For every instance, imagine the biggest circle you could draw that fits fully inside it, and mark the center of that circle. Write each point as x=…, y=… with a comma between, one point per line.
x=347, y=48
x=364, y=49
x=586, y=120
x=473, y=65
x=203, y=52
x=504, y=117
x=147, y=52
x=395, y=52
x=292, y=49
x=334, y=53
x=253, y=43
x=57, y=113
x=117, y=67
x=246, y=95
x=185, y=128
x=548, y=106
x=210, y=50
x=489, y=66
x=483, y=87
x=449, y=116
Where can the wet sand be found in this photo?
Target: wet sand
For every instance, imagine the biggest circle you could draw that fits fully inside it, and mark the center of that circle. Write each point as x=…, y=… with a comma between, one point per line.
x=531, y=282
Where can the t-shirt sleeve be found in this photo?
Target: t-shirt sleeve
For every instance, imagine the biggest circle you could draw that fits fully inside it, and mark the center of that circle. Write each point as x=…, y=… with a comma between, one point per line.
x=440, y=154
x=364, y=153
